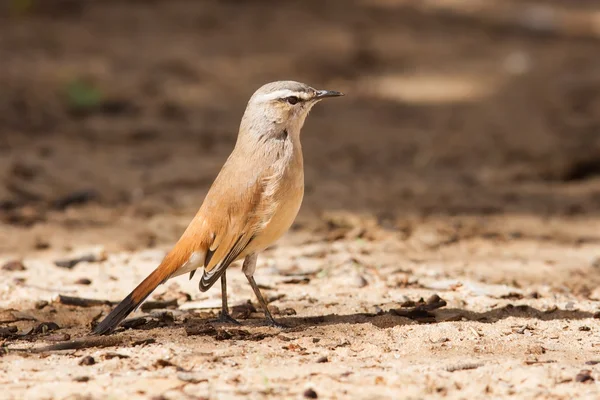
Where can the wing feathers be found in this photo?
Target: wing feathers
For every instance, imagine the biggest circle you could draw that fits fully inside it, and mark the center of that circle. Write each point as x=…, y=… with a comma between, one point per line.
x=245, y=217
x=209, y=277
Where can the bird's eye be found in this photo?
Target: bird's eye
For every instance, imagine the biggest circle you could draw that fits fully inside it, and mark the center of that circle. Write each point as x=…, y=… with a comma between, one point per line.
x=292, y=100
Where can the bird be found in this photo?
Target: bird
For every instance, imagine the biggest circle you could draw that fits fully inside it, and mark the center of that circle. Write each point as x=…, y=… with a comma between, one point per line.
x=252, y=202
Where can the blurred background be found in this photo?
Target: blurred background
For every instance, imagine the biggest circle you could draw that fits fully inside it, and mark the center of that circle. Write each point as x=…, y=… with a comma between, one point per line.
x=116, y=115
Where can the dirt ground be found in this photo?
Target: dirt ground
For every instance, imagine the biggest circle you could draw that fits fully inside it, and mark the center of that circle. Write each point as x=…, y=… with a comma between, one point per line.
x=463, y=163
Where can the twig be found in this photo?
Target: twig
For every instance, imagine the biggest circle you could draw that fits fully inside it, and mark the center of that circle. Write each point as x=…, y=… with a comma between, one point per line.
x=153, y=305
x=82, y=302
x=536, y=361
x=77, y=344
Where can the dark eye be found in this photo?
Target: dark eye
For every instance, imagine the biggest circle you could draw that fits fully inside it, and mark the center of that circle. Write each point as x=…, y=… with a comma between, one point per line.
x=292, y=100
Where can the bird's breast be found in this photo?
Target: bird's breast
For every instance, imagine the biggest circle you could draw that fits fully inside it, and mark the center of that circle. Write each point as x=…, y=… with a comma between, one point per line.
x=283, y=217
x=286, y=201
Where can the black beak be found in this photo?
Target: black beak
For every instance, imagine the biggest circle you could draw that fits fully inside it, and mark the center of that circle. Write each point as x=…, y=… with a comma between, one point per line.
x=321, y=94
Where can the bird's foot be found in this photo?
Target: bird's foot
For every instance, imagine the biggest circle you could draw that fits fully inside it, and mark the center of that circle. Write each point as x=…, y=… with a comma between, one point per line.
x=226, y=319
x=274, y=324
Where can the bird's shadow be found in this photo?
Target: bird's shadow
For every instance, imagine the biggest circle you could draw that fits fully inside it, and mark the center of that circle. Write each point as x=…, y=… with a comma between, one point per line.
x=441, y=315
x=417, y=314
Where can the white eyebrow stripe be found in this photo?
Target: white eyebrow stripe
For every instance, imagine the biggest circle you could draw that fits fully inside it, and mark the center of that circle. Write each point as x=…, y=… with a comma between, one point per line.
x=280, y=94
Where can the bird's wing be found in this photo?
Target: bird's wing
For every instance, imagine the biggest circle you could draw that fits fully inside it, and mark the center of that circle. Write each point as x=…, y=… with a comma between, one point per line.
x=242, y=216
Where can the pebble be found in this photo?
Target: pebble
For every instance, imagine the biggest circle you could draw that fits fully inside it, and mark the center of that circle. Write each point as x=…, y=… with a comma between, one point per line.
x=87, y=360
x=14, y=265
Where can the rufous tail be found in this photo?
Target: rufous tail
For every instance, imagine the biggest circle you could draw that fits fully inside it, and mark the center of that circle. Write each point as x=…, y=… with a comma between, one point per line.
x=132, y=301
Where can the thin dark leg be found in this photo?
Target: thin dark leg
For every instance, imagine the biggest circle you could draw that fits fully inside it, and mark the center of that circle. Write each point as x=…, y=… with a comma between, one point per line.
x=270, y=320
x=248, y=268
x=224, y=314
x=224, y=308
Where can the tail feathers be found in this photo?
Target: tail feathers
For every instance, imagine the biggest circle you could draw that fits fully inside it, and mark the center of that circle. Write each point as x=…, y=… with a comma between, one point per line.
x=131, y=302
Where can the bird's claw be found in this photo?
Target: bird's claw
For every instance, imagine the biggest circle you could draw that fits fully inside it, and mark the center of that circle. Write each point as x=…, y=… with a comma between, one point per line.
x=227, y=319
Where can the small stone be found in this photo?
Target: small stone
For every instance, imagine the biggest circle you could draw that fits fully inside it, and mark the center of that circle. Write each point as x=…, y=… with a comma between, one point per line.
x=223, y=335
x=83, y=281
x=360, y=281
x=584, y=376
x=521, y=330
x=40, y=304
x=323, y=359
x=161, y=363
x=585, y=328
x=287, y=311
x=13, y=266
x=87, y=360
x=41, y=244
x=45, y=327
x=82, y=379
x=8, y=332
x=111, y=355
x=191, y=377
x=536, y=349
x=310, y=394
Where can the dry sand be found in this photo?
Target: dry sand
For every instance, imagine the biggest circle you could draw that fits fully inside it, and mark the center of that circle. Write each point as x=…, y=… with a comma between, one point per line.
x=511, y=326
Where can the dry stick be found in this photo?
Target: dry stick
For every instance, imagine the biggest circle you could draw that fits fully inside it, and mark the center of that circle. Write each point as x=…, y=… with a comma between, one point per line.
x=77, y=344
x=81, y=302
x=153, y=305
x=532, y=362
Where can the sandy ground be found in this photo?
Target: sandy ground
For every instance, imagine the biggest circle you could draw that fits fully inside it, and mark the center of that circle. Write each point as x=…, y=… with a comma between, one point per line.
x=463, y=163
x=510, y=327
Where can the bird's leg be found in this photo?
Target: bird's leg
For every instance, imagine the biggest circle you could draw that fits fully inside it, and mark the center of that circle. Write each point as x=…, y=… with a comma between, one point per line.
x=248, y=268
x=224, y=314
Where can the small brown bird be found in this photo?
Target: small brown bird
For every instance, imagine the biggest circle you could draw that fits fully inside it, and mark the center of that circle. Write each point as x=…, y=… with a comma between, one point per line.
x=252, y=202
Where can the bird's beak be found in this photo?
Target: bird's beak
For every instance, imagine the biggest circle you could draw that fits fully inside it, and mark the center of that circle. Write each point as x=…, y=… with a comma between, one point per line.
x=321, y=94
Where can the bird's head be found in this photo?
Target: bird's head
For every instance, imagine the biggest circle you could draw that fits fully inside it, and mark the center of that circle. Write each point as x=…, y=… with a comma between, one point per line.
x=282, y=105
